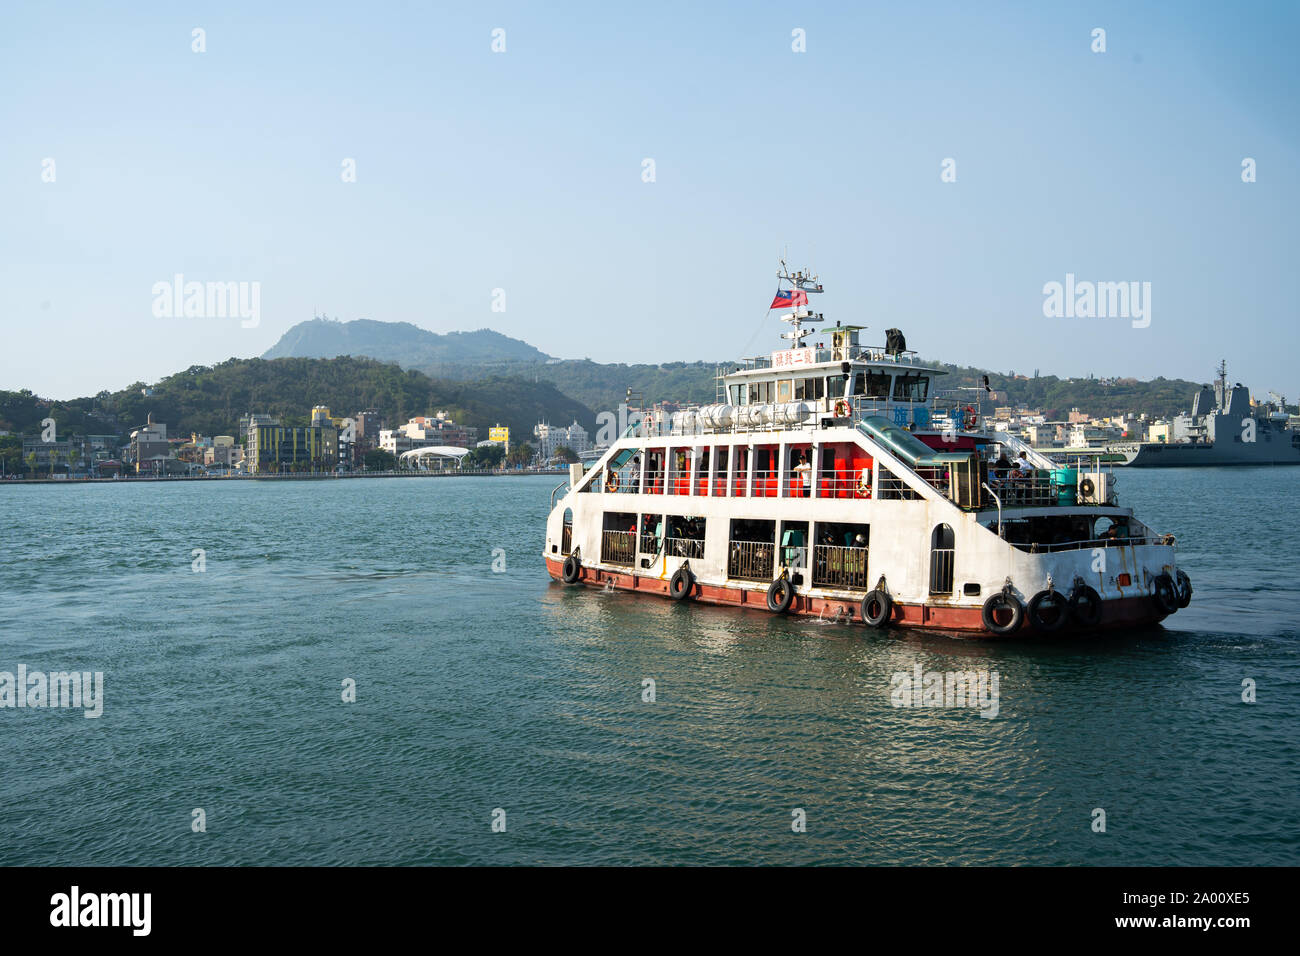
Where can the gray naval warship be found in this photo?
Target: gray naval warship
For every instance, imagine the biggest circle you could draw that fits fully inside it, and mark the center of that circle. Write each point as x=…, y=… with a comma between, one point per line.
x=1223, y=429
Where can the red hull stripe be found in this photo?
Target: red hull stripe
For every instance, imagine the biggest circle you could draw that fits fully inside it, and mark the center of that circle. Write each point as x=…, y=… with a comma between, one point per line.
x=1124, y=612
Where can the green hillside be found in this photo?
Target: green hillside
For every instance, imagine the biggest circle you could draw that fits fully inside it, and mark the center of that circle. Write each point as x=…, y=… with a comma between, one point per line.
x=209, y=400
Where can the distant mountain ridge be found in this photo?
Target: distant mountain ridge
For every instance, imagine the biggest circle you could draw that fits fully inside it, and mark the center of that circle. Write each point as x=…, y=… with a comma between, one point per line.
x=601, y=387
x=402, y=342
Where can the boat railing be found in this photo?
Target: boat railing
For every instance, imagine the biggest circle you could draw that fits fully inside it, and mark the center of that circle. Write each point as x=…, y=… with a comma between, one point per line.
x=1085, y=544
x=998, y=501
x=892, y=487
x=750, y=560
x=839, y=567
x=765, y=484
x=848, y=483
x=686, y=548
x=1036, y=491
x=618, y=547
x=623, y=481
x=555, y=492
x=649, y=544
x=1035, y=458
x=566, y=539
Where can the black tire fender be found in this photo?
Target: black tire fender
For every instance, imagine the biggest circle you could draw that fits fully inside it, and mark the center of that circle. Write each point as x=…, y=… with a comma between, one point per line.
x=1051, y=599
x=1184, y=588
x=1164, y=594
x=572, y=570
x=681, y=584
x=876, y=608
x=780, y=595
x=993, y=604
x=1085, y=606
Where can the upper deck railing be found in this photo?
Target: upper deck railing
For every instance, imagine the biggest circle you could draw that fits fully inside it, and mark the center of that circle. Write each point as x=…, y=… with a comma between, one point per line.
x=858, y=353
x=935, y=414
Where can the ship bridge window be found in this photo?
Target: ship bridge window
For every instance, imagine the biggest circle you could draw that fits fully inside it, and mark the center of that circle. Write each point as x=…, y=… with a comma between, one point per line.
x=871, y=384
x=911, y=388
x=760, y=393
x=835, y=385
x=739, y=394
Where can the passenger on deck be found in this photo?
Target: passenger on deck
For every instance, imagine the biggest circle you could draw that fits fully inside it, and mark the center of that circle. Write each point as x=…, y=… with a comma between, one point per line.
x=803, y=473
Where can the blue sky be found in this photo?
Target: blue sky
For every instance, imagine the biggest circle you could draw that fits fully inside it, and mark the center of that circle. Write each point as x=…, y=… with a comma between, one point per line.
x=522, y=171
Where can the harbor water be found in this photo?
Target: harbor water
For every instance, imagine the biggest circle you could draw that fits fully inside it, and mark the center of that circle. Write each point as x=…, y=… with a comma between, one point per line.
x=231, y=619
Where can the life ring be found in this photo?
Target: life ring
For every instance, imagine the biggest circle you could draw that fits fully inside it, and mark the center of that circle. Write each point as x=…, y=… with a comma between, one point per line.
x=572, y=570
x=780, y=595
x=997, y=602
x=1045, y=600
x=1085, y=606
x=1166, y=597
x=876, y=608
x=841, y=408
x=1184, y=587
x=864, y=483
x=681, y=584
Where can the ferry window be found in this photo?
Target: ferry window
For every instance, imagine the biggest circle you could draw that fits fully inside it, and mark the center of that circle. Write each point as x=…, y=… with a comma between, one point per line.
x=760, y=393
x=835, y=385
x=808, y=389
x=911, y=388
x=739, y=395
x=877, y=385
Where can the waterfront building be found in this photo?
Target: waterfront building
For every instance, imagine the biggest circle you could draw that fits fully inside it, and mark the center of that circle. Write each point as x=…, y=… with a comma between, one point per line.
x=550, y=438
x=150, y=448
x=273, y=449
x=427, y=432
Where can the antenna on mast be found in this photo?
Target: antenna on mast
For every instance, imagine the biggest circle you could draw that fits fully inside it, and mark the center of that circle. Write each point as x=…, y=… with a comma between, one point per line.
x=805, y=283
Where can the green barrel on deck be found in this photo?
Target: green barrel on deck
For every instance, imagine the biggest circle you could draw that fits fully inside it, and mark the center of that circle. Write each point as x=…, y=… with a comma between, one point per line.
x=1067, y=484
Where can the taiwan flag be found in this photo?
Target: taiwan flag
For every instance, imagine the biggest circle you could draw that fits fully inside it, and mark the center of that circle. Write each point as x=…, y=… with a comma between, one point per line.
x=788, y=299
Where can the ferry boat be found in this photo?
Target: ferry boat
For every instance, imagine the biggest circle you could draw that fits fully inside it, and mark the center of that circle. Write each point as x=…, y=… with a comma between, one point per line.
x=839, y=481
